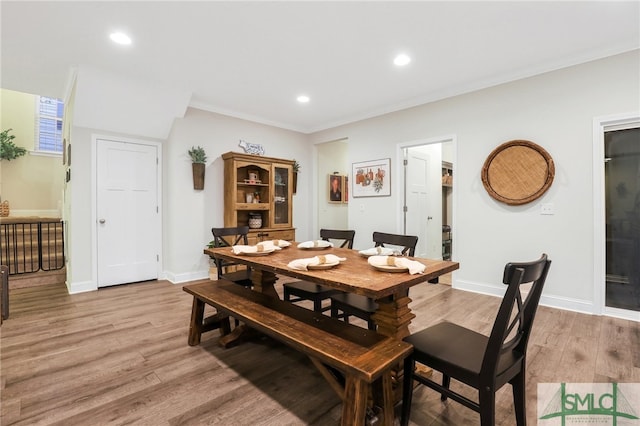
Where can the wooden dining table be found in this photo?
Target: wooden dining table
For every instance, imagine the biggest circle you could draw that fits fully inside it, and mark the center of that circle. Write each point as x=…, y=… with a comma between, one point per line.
x=355, y=275
x=390, y=290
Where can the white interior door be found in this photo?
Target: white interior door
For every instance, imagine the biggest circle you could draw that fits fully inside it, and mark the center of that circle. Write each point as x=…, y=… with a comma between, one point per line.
x=128, y=228
x=424, y=199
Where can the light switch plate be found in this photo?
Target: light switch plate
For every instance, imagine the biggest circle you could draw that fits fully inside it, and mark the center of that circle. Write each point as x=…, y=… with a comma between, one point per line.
x=547, y=208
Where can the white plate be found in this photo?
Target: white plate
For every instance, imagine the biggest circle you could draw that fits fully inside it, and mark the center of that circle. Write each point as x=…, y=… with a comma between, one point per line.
x=389, y=268
x=369, y=253
x=322, y=266
x=258, y=253
x=322, y=245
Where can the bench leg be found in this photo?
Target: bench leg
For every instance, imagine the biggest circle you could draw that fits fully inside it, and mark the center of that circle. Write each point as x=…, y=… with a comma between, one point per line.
x=384, y=394
x=354, y=406
x=195, y=327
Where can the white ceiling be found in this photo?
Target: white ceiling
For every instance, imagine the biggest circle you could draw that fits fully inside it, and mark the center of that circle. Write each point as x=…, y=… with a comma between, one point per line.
x=251, y=59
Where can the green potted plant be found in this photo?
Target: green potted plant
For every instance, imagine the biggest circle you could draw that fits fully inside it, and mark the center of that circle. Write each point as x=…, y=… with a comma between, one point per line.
x=296, y=169
x=9, y=150
x=198, y=160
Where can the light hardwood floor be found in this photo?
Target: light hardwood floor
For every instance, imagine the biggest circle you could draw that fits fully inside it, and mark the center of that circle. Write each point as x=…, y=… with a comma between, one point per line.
x=120, y=356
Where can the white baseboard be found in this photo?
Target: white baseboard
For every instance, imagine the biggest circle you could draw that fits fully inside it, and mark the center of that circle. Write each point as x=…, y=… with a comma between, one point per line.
x=476, y=287
x=179, y=278
x=81, y=287
x=568, y=304
x=35, y=213
x=559, y=302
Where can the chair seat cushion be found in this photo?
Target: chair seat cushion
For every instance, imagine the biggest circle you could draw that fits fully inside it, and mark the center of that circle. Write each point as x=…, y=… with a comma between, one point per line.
x=361, y=303
x=303, y=288
x=455, y=351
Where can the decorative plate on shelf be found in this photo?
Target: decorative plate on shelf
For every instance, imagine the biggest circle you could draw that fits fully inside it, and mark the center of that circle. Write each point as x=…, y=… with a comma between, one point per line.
x=518, y=172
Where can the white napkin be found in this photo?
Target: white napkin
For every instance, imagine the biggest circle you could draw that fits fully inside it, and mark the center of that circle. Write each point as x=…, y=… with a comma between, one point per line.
x=272, y=244
x=414, y=266
x=315, y=243
x=382, y=251
x=250, y=249
x=276, y=243
x=302, y=264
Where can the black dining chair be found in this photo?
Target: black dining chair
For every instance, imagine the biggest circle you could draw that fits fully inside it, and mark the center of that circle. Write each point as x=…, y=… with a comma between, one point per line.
x=344, y=305
x=484, y=363
x=304, y=290
x=228, y=237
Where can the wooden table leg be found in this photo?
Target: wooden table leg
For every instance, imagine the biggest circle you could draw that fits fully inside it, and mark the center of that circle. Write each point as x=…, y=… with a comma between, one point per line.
x=393, y=318
x=195, y=327
x=264, y=282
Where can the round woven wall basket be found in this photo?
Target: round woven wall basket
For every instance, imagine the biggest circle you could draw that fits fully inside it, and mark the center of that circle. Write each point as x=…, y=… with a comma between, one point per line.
x=518, y=172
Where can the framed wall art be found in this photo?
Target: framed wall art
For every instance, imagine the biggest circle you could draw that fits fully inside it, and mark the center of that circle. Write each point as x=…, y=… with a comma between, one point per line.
x=372, y=178
x=336, y=188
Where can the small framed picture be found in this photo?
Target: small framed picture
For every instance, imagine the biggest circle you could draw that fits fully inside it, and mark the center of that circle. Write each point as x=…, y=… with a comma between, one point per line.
x=336, y=185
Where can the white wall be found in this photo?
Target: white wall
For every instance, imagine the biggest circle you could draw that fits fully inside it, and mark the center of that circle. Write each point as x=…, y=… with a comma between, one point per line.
x=332, y=157
x=189, y=215
x=107, y=105
x=111, y=102
x=554, y=110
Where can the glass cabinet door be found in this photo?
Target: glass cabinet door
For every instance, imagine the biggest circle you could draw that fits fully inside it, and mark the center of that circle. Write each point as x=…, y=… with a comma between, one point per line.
x=282, y=195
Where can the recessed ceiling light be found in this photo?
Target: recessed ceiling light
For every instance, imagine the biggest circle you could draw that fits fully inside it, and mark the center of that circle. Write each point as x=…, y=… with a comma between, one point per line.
x=120, y=38
x=402, y=60
x=303, y=99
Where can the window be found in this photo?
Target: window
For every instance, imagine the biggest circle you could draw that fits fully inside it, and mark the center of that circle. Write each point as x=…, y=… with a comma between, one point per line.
x=49, y=124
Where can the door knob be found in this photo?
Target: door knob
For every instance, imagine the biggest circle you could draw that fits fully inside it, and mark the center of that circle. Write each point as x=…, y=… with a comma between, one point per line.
x=102, y=221
x=429, y=217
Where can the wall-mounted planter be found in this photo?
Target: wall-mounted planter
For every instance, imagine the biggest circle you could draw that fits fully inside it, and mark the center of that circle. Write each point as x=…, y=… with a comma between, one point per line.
x=295, y=182
x=198, y=175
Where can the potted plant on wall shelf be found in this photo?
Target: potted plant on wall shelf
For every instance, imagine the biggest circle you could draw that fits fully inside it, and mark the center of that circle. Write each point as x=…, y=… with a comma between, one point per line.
x=198, y=159
x=296, y=169
x=8, y=151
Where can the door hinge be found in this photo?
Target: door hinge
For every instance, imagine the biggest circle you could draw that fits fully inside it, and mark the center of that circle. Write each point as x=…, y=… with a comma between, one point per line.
x=405, y=209
x=157, y=209
x=157, y=258
x=405, y=161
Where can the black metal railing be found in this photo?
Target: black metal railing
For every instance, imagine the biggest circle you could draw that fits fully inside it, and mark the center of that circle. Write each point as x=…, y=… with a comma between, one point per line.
x=31, y=246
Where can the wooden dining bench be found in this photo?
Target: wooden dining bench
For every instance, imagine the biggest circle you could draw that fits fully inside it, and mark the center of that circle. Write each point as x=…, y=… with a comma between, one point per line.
x=364, y=357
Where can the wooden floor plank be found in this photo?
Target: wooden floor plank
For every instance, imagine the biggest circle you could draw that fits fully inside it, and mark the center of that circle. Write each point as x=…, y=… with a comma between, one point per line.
x=120, y=356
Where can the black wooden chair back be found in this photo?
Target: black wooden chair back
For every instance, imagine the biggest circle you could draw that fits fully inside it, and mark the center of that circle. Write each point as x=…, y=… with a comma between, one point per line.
x=298, y=291
x=228, y=237
x=344, y=305
x=484, y=363
x=346, y=236
x=408, y=242
x=511, y=330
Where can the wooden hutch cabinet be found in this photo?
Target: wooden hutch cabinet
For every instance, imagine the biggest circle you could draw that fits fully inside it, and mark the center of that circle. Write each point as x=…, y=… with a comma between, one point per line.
x=258, y=192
